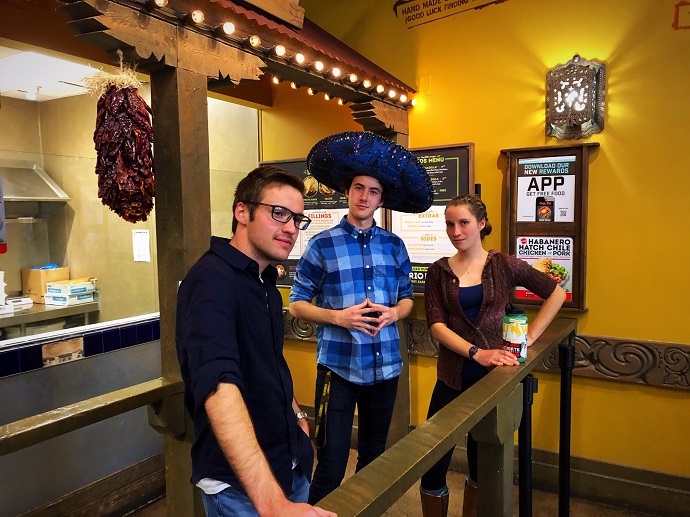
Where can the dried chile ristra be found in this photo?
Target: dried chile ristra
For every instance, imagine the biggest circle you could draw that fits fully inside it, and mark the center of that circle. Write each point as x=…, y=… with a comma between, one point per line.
x=124, y=164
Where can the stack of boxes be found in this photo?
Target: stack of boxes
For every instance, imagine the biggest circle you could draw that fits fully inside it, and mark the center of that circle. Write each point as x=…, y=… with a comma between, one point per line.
x=34, y=281
x=71, y=292
x=54, y=287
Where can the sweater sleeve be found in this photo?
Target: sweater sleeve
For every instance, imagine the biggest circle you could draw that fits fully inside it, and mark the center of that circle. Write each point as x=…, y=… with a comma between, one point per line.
x=525, y=275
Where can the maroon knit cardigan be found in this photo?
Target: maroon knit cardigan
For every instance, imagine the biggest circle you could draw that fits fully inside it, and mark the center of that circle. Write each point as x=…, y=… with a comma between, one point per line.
x=501, y=274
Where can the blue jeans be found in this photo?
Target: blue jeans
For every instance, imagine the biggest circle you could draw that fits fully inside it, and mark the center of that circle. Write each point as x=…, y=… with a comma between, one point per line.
x=235, y=503
x=374, y=409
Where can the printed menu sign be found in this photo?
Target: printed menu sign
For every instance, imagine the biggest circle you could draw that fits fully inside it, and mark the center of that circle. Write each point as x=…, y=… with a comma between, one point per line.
x=546, y=189
x=425, y=234
x=550, y=255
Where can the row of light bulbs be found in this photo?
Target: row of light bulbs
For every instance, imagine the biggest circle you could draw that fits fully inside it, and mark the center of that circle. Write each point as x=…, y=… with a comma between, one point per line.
x=228, y=28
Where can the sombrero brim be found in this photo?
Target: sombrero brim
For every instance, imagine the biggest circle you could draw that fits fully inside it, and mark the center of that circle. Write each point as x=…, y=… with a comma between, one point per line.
x=339, y=157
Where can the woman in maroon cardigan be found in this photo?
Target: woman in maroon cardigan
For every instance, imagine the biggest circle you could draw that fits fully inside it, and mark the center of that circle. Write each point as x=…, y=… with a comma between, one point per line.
x=465, y=298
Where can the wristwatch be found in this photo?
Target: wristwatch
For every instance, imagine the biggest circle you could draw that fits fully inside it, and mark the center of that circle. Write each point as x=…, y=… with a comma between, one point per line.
x=301, y=415
x=473, y=352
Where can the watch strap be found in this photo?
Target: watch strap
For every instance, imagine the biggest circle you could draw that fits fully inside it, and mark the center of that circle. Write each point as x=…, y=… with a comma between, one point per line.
x=473, y=351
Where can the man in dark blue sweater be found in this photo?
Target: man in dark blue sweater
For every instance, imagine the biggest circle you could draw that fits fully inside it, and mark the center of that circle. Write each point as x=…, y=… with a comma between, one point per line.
x=252, y=454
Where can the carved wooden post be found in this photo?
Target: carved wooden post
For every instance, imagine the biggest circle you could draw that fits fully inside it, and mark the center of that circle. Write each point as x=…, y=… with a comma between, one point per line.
x=494, y=434
x=183, y=230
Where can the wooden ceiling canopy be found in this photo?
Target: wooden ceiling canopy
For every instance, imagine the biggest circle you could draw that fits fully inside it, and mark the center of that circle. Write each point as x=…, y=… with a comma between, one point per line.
x=153, y=38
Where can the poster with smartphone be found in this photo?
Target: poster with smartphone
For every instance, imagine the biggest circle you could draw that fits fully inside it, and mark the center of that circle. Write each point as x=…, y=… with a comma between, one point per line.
x=546, y=189
x=550, y=255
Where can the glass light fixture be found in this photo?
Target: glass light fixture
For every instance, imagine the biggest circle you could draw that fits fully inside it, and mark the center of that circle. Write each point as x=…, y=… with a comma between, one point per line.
x=293, y=85
x=197, y=16
x=341, y=102
x=380, y=88
x=366, y=83
x=575, y=99
x=392, y=94
x=228, y=28
x=311, y=91
x=353, y=78
x=299, y=58
x=403, y=97
x=318, y=65
x=276, y=80
x=280, y=50
x=413, y=102
x=336, y=72
x=326, y=96
x=254, y=41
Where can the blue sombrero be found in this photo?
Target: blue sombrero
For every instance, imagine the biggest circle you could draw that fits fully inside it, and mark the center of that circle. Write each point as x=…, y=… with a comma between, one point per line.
x=338, y=157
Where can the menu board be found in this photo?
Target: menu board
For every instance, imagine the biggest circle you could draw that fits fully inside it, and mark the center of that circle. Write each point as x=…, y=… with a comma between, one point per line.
x=451, y=171
x=547, y=216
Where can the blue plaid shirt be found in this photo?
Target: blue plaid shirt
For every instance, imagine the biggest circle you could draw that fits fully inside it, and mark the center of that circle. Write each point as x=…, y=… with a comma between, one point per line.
x=341, y=267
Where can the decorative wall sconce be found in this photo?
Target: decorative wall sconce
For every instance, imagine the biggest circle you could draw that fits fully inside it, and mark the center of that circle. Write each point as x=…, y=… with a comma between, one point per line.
x=575, y=99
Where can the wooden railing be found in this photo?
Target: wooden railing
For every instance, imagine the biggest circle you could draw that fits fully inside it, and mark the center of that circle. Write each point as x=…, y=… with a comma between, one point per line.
x=38, y=428
x=492, y=407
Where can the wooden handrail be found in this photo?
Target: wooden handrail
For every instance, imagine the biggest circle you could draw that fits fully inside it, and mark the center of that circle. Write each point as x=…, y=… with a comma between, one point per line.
x=380, y=484
x=38, y=428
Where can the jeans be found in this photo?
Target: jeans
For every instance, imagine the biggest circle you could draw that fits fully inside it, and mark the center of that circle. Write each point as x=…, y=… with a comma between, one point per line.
x=374, y=409
x=435, y=478
x=235, y=503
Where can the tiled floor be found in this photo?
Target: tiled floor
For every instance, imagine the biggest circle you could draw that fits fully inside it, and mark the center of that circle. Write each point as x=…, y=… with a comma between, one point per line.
x=545, y=504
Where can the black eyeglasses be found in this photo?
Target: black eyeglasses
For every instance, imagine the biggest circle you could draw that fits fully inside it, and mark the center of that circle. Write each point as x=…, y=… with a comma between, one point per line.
x=283, y=215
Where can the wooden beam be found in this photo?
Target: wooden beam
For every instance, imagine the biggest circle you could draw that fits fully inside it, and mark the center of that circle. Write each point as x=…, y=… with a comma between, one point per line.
x=154, y=42
x=183, y=230
x=379, y=117
x=289, y=11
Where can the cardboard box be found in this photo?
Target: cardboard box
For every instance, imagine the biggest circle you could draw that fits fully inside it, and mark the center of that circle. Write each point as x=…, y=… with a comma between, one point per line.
x=70, y=299
x=34, y=281
x=74, y=286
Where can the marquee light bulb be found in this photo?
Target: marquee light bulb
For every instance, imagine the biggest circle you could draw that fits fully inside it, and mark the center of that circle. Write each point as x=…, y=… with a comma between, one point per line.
x=318, y=65
x=198, y=16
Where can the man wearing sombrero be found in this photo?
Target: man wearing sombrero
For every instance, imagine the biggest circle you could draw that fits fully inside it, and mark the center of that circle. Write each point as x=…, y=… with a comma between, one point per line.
x=359, y=275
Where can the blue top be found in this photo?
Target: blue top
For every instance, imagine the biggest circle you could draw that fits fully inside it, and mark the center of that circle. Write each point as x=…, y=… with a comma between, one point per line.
x=230, y=329
x=470, y=299
x=342, y=267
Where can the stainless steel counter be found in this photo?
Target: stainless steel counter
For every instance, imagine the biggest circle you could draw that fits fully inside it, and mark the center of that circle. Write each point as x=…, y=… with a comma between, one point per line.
x=40, y=312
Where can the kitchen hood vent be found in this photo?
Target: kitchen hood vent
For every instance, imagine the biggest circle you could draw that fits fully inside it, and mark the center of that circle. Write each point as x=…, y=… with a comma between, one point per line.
x=29, y=191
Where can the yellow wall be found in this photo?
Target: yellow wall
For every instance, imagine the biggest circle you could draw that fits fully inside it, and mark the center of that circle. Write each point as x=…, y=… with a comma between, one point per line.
x=487, y=69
